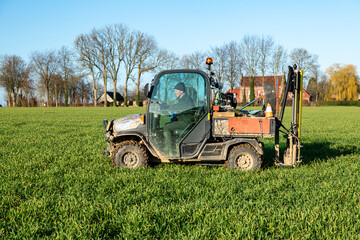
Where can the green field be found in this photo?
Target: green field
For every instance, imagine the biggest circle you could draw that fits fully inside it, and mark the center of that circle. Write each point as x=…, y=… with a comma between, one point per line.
x=55, y=184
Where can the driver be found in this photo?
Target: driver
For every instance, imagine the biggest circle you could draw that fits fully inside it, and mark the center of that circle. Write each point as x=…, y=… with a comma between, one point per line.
x=180, y=120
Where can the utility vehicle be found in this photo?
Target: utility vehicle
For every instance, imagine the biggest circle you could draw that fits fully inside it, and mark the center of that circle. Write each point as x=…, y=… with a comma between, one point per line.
x=217, y=133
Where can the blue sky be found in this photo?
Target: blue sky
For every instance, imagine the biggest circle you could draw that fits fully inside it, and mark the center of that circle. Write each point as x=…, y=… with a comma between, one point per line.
x=329, y=29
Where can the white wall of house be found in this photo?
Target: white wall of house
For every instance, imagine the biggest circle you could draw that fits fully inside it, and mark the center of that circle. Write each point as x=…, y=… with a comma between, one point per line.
x=102, y=98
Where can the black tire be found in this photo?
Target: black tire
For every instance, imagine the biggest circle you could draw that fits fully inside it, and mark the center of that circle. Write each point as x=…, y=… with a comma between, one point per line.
x=130, y=154
x=244, y=157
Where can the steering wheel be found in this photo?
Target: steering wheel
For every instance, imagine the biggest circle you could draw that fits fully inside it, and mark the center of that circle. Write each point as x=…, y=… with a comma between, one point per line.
x=160, y=108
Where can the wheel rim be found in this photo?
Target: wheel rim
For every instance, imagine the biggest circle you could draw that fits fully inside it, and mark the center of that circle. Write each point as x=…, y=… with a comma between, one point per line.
x=130, y=159
x=243, y=161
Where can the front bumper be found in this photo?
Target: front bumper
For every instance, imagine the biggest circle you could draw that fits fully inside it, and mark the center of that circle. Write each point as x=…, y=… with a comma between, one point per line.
x=108, y=129
x=108, y=136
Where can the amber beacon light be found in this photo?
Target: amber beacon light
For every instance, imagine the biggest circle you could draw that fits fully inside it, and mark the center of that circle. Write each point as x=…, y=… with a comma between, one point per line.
x=209, y=61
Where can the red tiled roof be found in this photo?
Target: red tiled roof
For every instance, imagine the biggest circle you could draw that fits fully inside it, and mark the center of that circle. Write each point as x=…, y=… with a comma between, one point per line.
x=306, y=93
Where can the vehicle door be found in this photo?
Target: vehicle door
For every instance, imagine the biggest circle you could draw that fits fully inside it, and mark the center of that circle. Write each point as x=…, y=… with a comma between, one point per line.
x=170, y=122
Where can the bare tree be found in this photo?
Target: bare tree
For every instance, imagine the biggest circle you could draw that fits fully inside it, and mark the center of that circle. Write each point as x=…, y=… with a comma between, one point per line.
x=14, y=75
x=195, y=60
x=266, y=44
x=304, y=60
x=87, y=59
x=104, y=50
x=41, y=92
x=149, y=58
x=219, y=54
x=99, y=50
x=57, y=87
x=5, y=78
x=45, y=65
x=22, y=79
x=84, y=91
x=131, y=94
x=73, y=87
x=185, y=62
x=100, y=88
x=250, y=52
x=313, y=85
x=121, y=89
x=116, y=37
x=132, y=48
x=169, y=61
x=66, y=66
x=28, y=88
x=323, y=87
x=232, y=63
x=278, y=60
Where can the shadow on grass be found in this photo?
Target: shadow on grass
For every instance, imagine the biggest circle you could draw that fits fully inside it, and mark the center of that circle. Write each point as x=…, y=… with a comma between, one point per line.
x=311, y=152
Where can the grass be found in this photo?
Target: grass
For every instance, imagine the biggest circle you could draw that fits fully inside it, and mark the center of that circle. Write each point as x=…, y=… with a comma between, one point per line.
x=55, y=184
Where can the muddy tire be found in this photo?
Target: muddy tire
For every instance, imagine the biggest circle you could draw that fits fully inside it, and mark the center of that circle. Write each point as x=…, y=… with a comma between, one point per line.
x=244, y=157
x=130, y=154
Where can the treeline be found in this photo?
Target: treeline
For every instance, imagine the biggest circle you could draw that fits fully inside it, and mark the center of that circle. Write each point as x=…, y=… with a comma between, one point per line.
x=117, y=56
x=340, y=83
x=339, y=103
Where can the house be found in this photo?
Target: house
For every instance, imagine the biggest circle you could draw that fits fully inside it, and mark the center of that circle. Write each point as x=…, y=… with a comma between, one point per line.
x=305, y=96
x=245, y=83
x=110, y=98
x=258, y=86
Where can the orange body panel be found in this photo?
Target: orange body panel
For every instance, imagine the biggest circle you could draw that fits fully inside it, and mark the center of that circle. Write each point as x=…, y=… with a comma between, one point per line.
x=249, y=125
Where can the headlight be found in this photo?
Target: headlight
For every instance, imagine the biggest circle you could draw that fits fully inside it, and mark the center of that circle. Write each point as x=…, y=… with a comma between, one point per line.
x=127, y=123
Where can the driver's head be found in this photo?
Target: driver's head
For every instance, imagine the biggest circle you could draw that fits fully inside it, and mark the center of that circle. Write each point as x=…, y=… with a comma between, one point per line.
x=179, y=89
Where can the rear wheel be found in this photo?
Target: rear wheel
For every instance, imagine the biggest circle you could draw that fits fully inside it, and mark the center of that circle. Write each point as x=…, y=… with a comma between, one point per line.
x=244, y=157
x=130, y=154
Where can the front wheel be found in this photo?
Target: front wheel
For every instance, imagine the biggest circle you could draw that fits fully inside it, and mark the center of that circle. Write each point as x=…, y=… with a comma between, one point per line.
x=244, y=157
x=130, y=154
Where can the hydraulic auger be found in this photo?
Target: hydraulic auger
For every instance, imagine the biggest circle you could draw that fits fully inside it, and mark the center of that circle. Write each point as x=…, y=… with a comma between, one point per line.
x=292, y=153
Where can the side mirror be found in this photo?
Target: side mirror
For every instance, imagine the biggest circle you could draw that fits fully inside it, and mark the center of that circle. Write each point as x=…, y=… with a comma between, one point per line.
x=146, y=90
